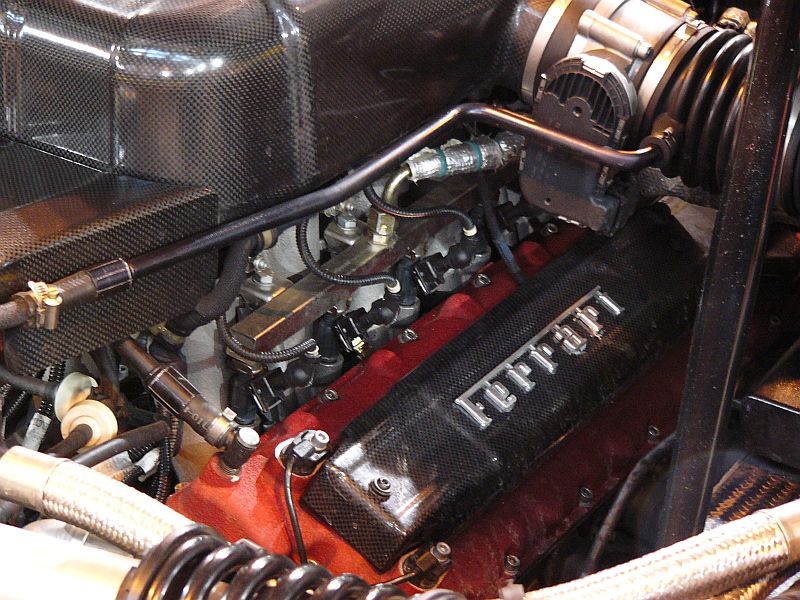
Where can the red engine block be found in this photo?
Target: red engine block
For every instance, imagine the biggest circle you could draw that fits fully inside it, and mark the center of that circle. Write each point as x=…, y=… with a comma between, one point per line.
x=526, y=523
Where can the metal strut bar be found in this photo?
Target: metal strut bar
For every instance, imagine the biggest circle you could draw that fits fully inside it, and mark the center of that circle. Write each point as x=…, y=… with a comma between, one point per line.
x=732, y=271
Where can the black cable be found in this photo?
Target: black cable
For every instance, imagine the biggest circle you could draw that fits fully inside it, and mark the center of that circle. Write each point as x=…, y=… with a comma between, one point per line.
x=420, y=213
x=216, y=302
x=287, y=491
x=75, y=440
x=56, y=375
x=400, y=579
x=631, y=485
x=79, y=288
x=490, y=217
x=32, y=385
x=130, y=440
x=350, y=280
x=275, y=356
x=161, y=492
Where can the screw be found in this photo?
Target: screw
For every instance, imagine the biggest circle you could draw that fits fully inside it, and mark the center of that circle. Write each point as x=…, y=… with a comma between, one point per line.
x=441, y=551
x=585, y=497
x=346, y=221
x=550, y=229
x=408, y=335
x=511, y=565
x=381, y=486
x=653, y=434
x=320, y=440
x=260, y=263
x=329, y=395
x=482, y=280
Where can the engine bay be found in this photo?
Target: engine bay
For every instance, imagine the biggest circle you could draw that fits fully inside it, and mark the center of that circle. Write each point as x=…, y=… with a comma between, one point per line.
x=376, y=300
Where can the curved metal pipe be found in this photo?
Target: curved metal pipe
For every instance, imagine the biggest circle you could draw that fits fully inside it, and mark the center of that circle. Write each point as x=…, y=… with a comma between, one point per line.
x=85, y=286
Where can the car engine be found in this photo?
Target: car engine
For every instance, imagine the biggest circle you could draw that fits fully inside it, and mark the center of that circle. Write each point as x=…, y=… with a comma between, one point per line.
x=371, y=300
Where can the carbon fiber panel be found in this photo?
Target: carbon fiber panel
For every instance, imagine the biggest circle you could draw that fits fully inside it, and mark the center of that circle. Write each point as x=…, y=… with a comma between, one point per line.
x=255, y=99
x=443, y=468
x=57, y=217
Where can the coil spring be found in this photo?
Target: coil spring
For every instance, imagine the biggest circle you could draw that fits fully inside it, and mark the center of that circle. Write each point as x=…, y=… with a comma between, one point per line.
x=190, y=562
x=707, y=98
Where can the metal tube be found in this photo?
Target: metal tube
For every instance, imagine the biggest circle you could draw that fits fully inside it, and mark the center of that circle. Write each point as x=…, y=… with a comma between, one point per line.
x=385, y=162
x=732, y=271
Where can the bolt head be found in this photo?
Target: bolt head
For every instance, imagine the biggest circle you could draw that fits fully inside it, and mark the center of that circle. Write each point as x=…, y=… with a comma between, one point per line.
x=441, y=551
x=346, y=221
x=408, y=335
x=248, y=437
x=381, y=486
x=320, y=440
x=585, y=497
x=329, y=395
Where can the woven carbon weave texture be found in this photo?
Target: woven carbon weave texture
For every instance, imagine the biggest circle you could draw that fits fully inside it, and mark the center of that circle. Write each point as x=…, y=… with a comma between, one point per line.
x=255, y=99
x=57, y=217
x=442, y=467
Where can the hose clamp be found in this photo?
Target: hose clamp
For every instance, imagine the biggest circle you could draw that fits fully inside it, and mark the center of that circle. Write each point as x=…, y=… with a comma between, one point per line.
x=45, y=301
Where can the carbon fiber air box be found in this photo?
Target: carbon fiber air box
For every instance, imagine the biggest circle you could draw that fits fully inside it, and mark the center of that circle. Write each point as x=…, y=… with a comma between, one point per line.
x=466, y=425
x=57, y=217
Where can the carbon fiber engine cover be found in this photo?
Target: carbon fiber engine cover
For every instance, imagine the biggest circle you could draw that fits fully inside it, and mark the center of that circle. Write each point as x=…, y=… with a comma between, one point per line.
x=256, y=100
x=57, y=217
x=468, y=423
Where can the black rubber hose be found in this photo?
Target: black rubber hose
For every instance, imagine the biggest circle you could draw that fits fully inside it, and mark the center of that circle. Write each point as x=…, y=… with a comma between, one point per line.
x=106, y=364
x=382, y=164
x=643, y=468
x=275, y=356
x=80, y=288
x=492, y=224
x=32, y=385
x=290, y=508
x=349, y=280
x=130, y=440
x=216, y=302
x=75, y=440
x=421, y=213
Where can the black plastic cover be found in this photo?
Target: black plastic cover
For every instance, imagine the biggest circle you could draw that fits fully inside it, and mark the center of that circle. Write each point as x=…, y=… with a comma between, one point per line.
x=256, y=100
x=57, y=217
x=442, y=466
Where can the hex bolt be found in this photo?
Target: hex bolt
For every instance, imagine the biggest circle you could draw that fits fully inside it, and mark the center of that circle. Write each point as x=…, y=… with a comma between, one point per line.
x=329, y=395
x=653, y=434
x=550, y=229
x=381, y=486
x=511, y=565
x=320, y=440
x=482, y=280
x=346, y=221
x=441, y=551
x=408, y=335
x=585, y=497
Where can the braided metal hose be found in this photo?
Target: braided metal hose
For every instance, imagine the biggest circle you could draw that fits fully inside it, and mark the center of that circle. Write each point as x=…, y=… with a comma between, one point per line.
x=700, y=567
x=75, y=494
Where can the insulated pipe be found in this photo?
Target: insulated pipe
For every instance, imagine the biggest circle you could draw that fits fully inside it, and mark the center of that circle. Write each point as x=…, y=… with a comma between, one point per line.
x=75, y=494
x=84, y=286
x=713, y=562
x=40, y=566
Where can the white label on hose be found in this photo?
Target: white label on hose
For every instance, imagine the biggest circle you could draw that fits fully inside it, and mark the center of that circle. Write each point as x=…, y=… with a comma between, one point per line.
x=37, y=429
